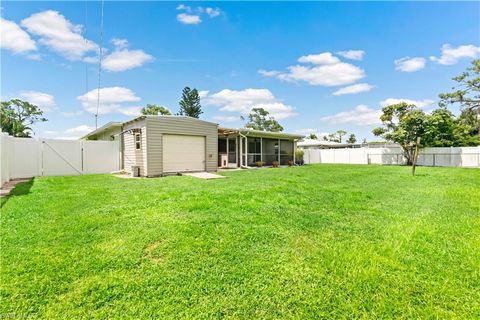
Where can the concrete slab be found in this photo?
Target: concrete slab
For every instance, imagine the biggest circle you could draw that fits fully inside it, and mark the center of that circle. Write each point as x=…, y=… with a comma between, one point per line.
x=204, y=175
x=10, y=185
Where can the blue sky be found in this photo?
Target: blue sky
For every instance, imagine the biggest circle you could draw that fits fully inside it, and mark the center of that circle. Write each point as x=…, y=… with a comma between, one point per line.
x=317, y=66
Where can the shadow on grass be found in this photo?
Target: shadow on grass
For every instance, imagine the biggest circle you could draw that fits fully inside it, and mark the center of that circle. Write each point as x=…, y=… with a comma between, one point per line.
x=20, y=189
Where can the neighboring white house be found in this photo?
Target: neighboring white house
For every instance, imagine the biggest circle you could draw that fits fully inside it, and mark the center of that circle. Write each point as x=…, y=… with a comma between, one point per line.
x=162, y=145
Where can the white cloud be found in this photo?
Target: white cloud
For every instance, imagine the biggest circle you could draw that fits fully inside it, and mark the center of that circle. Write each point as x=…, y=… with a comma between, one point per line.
x=203, y=93
x=14, y=38
x=321, y=58
x=119, y=43
x=325, y=70
x=355, y=88
x=269, y=73
x=361, y=115
x=44, y=101
x=72, y=113
x=124, y=59
x=243, y=101
x=184, y=7
x=193, y=16
x=81, y=130
x=226, y=118
x=111, y=101
x=59, y=34
x=407, y=64
x=451, y=55
x=419, y=103
x=213, y=12
x=188, y=18
x=352, y=54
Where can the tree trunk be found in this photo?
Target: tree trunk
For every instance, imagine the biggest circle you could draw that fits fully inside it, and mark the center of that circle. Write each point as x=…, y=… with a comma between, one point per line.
x=415, y=156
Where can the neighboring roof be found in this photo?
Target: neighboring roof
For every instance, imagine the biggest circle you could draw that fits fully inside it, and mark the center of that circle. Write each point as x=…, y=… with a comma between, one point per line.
x=107, y=126
x=319, y=143
x=258, y=133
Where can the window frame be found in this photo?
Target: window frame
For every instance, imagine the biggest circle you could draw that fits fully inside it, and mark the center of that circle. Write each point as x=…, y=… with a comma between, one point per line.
x=137, y=142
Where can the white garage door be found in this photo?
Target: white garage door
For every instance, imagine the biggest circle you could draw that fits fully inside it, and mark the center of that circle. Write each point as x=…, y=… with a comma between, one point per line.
x=183, y=153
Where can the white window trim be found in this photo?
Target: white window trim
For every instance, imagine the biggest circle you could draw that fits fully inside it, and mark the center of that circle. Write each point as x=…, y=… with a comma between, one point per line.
x=138, y=143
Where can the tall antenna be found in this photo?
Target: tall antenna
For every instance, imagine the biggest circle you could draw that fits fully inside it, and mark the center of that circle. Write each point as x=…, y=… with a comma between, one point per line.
x=99, y=65
x=86, y=46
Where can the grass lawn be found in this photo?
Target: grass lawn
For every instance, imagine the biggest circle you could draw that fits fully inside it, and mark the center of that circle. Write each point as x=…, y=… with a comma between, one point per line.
x=319, y=241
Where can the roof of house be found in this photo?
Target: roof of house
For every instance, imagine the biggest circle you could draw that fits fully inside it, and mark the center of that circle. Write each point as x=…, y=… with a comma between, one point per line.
x=167, y=116
x=243, y=131
x=109, y=125
x=320, y=143
x=113, y=124
x=258, y=133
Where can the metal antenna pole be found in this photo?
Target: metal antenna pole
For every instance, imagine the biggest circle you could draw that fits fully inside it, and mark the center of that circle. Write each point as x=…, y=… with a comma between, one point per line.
x=99, y=65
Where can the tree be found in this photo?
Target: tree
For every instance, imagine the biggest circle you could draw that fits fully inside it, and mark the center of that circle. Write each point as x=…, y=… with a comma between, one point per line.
x=352, y=139
x=260, y=119
x=17, y=117
x=312, y=136
x=340, y=134
x=440, y=129
x=332, y=137
x=403, y=124
x=470, y=120
x=190, y=104
x=364, y=141
x=467, y=95
x=155, y=110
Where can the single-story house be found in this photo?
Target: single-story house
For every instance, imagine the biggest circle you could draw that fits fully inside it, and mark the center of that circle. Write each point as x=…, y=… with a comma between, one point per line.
x=161, y=145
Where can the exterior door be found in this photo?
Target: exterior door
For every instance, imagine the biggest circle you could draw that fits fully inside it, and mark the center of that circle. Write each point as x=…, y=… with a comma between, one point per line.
x=182, y=153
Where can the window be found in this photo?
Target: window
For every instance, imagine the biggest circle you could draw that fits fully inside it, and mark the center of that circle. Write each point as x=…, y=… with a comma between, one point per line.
x=138, y=141
x=222, y=145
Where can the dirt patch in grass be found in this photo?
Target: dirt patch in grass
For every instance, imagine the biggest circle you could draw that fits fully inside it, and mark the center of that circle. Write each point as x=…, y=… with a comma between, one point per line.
x=154, y=253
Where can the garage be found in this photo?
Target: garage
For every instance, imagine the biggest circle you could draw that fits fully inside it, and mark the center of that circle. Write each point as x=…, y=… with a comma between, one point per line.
x=183, y=153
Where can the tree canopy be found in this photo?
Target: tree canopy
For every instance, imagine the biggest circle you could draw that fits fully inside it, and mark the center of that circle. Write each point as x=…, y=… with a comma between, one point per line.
x=190, y=104
x=351, y=139
x=260, y=119
x=17, y=117
x=467, y=95
x=155, y=110
x=403, y=124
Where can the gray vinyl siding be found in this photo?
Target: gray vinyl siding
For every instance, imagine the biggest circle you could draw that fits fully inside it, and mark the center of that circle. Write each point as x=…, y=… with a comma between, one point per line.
x=158, y=126
x=131, y=156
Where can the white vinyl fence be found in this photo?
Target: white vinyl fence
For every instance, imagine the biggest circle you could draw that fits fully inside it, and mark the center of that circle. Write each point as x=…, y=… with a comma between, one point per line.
x=27, y=157
x=441, y=157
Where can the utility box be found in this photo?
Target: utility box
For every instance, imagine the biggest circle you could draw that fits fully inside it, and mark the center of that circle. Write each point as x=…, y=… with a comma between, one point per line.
x=135, y=171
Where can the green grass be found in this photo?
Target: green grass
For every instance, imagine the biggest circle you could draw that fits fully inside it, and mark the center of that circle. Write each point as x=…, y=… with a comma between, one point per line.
x=323, y=241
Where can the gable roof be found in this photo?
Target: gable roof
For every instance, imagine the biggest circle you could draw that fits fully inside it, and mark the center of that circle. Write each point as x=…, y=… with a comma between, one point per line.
x=109, y=125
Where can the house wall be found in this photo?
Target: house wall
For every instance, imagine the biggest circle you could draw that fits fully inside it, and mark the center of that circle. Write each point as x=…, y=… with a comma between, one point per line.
x=158, y=126
x=131, y=156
